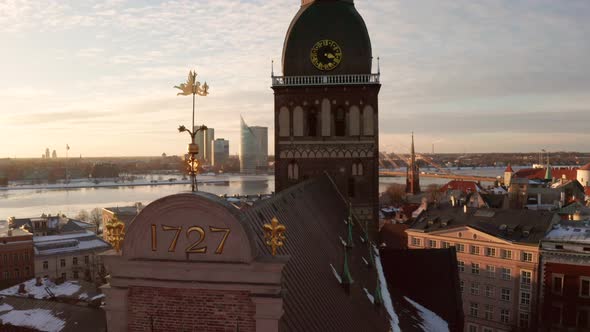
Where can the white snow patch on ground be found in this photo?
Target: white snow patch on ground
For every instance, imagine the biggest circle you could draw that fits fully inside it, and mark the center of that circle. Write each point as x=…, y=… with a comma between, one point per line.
x=83, y=296
x=371, y=298
x=430, y=320
x=39, y=319
x=99, y=296
x=336, y=274
x=387, y=302
x=5, y=307
x=65, y=289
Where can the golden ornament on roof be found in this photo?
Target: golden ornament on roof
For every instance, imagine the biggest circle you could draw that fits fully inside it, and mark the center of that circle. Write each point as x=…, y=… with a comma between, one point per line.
x=115, y=233
x=274, y=235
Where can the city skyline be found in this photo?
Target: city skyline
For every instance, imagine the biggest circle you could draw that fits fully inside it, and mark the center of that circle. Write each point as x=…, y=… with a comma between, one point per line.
x=475, y=77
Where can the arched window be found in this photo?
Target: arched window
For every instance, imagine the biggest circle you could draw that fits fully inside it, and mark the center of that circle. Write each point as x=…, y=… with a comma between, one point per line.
x=284, y=122
x=368, y=125
x=354, y=121
x=326, y=115
x=357, y=168
x=298, y=121
x=293, y=171
x=340, y=123
x=312, y=123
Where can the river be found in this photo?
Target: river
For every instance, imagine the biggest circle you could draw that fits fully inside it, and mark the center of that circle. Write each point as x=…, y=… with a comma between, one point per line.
x=24, y=203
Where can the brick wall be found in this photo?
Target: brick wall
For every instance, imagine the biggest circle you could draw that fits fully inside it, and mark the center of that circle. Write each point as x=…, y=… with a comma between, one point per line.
x=170, y=309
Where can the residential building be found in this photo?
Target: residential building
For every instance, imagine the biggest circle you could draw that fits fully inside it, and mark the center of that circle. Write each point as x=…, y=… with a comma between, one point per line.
x=70, y=256
x=39, y=226
x=498, y=259
x=253, y=148
x=16, y=255
x=220, y=152
x=50, y=225
x=565, y=278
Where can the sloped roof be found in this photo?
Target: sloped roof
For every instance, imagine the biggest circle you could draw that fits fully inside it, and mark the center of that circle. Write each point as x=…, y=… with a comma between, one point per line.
x=585, y=167
x=434, y=281
x=463, y=186
x=493, y=201
x=509, y=169
x=314, y=213
x=71, y=226
x=539, y=173
x=490, y=221
x=42, y=315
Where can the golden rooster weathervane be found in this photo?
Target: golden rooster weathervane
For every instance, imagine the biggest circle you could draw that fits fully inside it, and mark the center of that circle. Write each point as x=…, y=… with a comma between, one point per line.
x=192, y=87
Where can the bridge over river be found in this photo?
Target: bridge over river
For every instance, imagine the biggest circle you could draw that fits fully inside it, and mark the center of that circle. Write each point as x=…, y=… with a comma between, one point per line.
x=385, y=173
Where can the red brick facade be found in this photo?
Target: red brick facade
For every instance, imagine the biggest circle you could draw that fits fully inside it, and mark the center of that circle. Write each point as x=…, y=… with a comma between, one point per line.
x=16, y=260
x=170, y=309
x=564, y=304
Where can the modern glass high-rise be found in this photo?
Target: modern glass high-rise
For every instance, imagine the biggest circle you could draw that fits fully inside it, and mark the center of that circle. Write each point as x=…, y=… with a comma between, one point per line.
x=220, y=152
x=253, y=148
x=203, y=140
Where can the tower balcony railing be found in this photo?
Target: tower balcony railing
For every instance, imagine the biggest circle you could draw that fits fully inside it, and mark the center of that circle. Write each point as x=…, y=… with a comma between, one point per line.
x=325, y=80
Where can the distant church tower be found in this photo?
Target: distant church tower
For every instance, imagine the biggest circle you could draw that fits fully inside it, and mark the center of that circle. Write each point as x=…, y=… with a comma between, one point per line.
x=326, y=104
x=413, y=173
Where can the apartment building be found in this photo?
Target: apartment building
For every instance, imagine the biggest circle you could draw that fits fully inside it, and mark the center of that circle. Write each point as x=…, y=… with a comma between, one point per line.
x=69, y=256
x=498, y=260
x=565, y=282
x=16, y=255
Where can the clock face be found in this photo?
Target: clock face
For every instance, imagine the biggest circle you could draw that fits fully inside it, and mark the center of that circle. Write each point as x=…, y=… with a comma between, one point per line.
x=326, y=55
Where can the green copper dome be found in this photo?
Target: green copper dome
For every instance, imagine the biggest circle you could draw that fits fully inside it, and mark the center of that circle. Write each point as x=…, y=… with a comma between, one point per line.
x=334, y=20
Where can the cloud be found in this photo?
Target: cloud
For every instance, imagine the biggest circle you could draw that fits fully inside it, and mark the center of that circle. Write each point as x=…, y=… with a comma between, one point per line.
x=478, y=68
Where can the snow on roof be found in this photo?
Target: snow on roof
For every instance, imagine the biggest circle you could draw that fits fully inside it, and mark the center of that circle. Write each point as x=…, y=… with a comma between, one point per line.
x=387, y=301
x=5, y=307
x=49, y=238
x=576, y=233
x=431, y=322
x=40, y=319
x=67, y=288
x=53, y=244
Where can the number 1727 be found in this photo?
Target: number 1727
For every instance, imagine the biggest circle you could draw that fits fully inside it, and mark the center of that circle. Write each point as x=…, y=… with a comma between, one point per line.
x=194, y=247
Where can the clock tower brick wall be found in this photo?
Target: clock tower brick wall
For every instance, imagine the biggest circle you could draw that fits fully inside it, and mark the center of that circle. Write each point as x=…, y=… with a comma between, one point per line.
x=190, y=310
x=348, y=153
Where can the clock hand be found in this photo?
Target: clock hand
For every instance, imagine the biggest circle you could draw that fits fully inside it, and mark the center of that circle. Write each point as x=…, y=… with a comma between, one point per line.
x=329, y=55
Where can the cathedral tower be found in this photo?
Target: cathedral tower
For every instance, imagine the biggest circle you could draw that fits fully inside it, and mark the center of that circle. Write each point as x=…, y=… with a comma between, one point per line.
x=326, y=104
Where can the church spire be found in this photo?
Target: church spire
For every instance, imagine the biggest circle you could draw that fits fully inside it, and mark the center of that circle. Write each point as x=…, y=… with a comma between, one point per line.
x=412, y=174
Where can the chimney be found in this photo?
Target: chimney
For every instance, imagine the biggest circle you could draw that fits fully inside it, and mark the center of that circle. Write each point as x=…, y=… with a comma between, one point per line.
x=9, y=232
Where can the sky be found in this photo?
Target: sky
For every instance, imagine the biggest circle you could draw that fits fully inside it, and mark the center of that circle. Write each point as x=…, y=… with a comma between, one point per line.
x=464, y=75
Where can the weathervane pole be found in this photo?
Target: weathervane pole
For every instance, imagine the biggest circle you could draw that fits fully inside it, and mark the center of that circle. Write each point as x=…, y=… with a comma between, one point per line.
x=192, y=86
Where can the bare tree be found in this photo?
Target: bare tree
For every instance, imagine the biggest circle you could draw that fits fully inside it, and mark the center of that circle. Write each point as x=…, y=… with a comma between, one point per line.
x=396, y=192
x=82, y=215
x=433, y=192
x=96, y=218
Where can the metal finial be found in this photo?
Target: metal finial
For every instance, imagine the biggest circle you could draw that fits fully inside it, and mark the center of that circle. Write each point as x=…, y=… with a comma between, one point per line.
x=272, y=68
x=194, y=88
x=378, y=66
